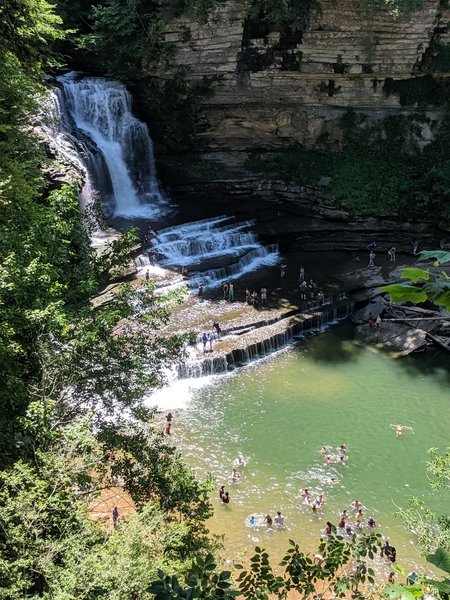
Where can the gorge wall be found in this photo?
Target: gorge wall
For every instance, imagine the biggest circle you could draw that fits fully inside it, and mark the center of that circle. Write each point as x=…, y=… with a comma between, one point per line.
x=280, y=86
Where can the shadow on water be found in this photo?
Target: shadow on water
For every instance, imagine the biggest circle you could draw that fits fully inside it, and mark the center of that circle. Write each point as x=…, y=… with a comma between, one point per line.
x=433, y=363
x=334, y=346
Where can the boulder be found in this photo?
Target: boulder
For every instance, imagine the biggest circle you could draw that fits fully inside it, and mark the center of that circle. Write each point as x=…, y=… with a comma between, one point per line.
x=394, y=336
x=375, y=308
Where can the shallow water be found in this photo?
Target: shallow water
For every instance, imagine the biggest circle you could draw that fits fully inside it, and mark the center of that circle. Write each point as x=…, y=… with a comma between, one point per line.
x=279, y=412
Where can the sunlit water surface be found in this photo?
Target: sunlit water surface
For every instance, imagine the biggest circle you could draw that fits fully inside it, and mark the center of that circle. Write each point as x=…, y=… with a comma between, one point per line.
x=278, y=413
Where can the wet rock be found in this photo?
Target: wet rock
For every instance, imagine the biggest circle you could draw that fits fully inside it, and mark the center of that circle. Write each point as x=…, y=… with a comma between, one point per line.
x=394, y=336
x=375, y=308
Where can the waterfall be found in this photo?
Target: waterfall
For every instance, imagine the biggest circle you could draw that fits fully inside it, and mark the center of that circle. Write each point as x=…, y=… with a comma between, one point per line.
x=116, y=146
x=200, y=245
x=298, y=327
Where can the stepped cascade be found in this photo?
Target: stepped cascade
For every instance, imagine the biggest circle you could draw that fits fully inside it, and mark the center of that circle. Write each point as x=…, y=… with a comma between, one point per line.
x=115, y=145
x=214, y=250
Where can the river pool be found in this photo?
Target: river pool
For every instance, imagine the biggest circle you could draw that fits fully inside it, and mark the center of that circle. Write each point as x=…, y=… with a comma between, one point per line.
x=279, y=411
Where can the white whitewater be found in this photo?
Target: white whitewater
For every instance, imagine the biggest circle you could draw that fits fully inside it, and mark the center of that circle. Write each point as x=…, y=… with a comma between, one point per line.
x=117, y=146
x=200, y=245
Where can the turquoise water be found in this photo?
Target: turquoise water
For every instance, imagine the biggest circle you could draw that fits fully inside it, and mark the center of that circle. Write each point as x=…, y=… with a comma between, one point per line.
x=280, y=411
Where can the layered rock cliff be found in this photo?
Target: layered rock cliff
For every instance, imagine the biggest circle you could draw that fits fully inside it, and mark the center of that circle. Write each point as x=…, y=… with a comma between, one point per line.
x=280, y=86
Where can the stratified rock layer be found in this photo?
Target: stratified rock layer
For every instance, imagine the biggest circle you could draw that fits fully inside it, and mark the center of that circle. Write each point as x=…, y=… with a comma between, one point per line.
x=279, y=87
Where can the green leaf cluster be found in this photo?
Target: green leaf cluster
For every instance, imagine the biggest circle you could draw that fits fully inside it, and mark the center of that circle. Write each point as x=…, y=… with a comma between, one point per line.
x=433, y=285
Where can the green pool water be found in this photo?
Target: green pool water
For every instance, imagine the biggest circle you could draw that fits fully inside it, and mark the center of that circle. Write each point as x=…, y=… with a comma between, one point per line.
x=279, y=411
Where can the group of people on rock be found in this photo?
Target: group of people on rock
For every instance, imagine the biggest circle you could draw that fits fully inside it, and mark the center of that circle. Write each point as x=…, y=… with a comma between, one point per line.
x=391, y=252
x=207, y=339
x=228, y=290
x=254, y=299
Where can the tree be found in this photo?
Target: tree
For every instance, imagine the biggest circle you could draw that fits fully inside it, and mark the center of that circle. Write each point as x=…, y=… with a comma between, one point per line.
x=339, y=567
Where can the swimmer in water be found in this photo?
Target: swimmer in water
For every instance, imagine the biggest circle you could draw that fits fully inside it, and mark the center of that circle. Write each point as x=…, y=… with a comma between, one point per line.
x=327, y=460
x=252, y=520
x=342, y=449
x=400, y=428
x=328, y=528
x=343, y=519
x=221, y=491
x=357, y=505
x=359, y=518
x=318, y=503
x=268, y=519
x=279, y=519
x=326, y=449
x=239, y=461
x=306, y=496
x=234, y=477
x=371, y=523
x=226, y=498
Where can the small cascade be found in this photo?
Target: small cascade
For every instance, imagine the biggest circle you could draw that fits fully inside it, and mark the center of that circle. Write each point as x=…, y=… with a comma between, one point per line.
x=202, y=245
x=114, y=145
x=203, y=367
x=338, y=309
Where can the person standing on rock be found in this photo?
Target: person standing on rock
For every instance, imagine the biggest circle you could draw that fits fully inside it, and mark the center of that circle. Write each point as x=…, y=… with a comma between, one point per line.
x=200, y=291
x=283, y=271
x=263, y=296
x=231, y=292
x=301, y=274
x=225, y=289
x=303, y=290
x=320, y=298
x=147, y=275
x=371, y=258
x=205, y=341
x=415, y=246
x=392, y=252
x=216, y=327
x=210, y=341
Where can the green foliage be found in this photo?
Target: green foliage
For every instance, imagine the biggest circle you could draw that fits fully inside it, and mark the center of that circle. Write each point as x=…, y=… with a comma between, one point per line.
x=435, y=286
x=291, y=12
x=396, y=8
x=342, y=570
x=376, y=172
x=441, y=58
x=50, y=549
x=27, y=30
x=172, y=106
x=203, y=582
x=422, y=91
x=438, y=468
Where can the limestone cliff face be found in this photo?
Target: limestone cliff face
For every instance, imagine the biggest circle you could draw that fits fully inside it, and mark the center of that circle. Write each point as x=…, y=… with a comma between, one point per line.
x=280, y=86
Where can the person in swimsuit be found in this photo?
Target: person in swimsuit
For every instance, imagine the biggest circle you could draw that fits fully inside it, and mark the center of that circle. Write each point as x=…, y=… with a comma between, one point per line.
x=268, y=519
x=359, y=519
x=279, y=519
x=328, y=528
x=234, y=477
x=343, y=519
x=221, y=492
x=226, y=498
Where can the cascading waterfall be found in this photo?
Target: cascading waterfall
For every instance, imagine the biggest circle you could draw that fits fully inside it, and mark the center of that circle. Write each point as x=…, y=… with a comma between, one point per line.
x=200, y=245
x=305, y=325
x=116, y=145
